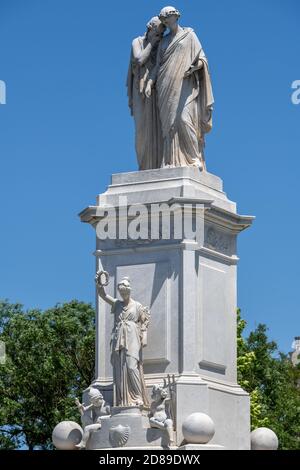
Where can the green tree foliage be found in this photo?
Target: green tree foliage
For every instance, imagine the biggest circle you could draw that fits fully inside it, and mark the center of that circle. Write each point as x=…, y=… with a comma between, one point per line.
x=49, y=361
x=271, y=380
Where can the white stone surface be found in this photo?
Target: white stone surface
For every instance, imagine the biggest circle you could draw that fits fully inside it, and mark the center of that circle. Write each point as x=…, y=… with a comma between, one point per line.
x=139, y=433
x=191, y=291
x=66, y=435
x=264, y=439
x=152, y=186
x=198, y=428
x=193, y=447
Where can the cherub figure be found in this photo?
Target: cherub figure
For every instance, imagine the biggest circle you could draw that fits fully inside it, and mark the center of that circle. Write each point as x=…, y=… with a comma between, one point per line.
x=91, y=414
x=159, y=411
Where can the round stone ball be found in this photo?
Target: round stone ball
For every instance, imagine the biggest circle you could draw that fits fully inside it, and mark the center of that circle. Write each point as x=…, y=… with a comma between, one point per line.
x=198, y=428
x=264, y=439
x=66, y=435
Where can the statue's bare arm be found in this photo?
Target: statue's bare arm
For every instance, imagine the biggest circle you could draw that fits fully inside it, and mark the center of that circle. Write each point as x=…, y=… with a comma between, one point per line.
x=82, y=409
x=107, y=298
x=101, y=290
x=140, y=55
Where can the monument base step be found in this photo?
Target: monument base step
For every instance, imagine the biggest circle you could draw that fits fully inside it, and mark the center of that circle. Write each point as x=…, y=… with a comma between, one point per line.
x=193, y=447
x=127, y=428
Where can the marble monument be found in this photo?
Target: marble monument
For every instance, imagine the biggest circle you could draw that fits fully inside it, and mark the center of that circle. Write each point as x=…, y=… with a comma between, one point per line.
x=167, y=236
x=188, y=284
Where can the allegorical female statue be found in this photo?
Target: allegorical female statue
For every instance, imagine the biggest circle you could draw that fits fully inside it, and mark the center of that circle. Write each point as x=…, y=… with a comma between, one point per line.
x=129, y=336
x=148, y=139
x=183, y=90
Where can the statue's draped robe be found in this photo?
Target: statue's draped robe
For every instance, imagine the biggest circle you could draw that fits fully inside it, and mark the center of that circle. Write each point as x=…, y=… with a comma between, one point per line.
x=185, y=104
x=126, y=353
x=148, y=139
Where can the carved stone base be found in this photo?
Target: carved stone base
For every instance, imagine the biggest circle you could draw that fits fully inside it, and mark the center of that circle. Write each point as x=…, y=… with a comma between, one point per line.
x=193, y=447
x=127, y=427
x=190, y=287
x=227, y=404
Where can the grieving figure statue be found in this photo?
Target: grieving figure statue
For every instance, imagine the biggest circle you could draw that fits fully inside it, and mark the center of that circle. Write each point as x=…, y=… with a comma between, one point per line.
x=148, y=140
x=160, y=416
x=129, y=336
x=91, y=414
x=183, y=90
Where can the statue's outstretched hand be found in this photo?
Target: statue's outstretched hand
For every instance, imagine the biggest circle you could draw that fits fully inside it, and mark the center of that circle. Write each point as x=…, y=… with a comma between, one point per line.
x=188, y=73
x=79, y=405
x=102, y=278
x=148, y=90
x=193, y=69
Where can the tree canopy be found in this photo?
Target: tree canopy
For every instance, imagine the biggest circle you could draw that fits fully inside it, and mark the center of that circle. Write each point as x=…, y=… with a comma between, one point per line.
x=49, y=361
x=273, y=384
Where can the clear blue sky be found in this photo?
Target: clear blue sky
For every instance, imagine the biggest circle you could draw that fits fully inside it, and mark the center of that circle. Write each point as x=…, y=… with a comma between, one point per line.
x=66, y=128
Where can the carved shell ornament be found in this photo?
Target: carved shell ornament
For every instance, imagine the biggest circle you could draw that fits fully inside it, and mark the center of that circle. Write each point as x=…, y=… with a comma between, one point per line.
x=118, y=435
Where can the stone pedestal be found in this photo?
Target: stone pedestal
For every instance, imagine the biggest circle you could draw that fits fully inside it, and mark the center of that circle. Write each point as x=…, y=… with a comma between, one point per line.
x=190, y=287
x=195, y=447
x=127, y=428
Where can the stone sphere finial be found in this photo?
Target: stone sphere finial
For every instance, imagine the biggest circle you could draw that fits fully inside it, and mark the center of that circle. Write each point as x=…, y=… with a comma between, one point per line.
x=198, y=428
x=263, y=439
x=66, y=435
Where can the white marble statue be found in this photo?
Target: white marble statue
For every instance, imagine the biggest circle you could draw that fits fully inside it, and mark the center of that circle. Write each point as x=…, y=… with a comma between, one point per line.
x=148, y=138
x=181, y=82
x=160, y=416
x=129, y=336
x=91, y=414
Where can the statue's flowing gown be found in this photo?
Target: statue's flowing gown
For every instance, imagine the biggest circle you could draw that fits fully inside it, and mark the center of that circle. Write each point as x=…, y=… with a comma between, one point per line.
x=148, y=138
x=126, y=354
x=185, y=104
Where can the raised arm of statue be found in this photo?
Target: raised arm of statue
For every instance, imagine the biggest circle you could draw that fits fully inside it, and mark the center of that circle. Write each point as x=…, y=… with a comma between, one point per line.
x=142, y=46
x=81, y=408
x=100, y=283
x=140, y=55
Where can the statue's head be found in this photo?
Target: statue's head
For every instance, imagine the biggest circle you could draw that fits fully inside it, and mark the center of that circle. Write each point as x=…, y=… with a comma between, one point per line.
x=155, y=26
x=159, y=392
x=124, y=288
x=95, y=396
x=169, y=16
